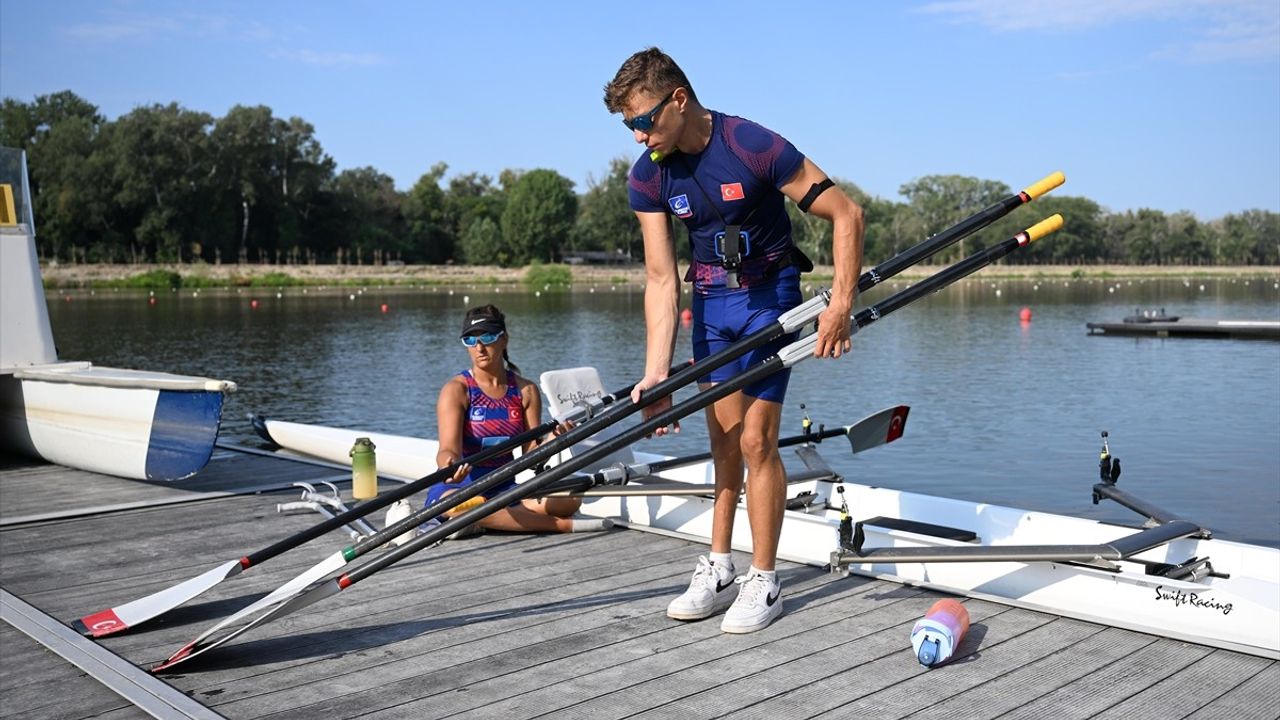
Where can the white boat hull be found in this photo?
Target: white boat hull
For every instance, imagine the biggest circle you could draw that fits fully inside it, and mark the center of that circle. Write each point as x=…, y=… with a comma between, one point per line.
x=397, y=456
x=132, y=424
x=1240, y=612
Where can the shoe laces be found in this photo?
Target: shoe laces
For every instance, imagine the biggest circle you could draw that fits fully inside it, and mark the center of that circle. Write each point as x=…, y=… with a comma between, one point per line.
x=753, y=588
x=705, y=574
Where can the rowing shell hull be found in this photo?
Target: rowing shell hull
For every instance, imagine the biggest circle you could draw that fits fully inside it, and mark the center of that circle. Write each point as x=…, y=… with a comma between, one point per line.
x=397, y=456
x=128, y=423
x=1240, y=612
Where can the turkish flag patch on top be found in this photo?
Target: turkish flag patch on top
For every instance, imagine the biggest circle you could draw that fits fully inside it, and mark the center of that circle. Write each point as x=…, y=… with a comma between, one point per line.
x=731, y=191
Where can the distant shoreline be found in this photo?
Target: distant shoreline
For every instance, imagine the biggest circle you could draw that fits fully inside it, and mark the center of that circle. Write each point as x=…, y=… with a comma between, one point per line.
x=230, y=275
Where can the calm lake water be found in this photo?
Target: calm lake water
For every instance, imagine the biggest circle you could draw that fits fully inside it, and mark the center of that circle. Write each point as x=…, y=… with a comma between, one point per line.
x=1002, y=411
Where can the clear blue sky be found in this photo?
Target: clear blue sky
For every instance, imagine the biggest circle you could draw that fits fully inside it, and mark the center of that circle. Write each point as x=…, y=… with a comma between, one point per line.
x=1143, y=103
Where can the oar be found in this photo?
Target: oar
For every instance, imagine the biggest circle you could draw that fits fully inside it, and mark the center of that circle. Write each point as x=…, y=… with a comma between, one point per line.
x=872, y=431
x=285, y=603
x=123, y=617
x=671, y=488
x=788, y=322
x=129, y=615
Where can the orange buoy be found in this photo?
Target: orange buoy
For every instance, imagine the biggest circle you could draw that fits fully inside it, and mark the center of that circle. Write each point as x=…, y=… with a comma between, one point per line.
x=686, y=316
x=1025, y=314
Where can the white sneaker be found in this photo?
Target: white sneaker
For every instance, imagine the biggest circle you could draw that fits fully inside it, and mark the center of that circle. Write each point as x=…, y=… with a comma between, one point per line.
x=710, y=591
x=759, y=602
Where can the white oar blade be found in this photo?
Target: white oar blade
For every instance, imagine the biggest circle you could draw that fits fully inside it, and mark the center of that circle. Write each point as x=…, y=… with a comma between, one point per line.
x=206, y=639
x=130, y=614
x=283, y=607
x=879, y=429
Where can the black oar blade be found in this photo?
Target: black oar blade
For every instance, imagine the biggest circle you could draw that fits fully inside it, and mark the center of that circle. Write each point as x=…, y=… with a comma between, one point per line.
x=879, y=429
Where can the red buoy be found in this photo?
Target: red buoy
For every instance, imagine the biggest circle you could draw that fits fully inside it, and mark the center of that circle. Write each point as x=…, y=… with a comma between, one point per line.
x=151, y=301
x=686, y=316
x=385, y=308
x=1025, y=314
x=253, y=304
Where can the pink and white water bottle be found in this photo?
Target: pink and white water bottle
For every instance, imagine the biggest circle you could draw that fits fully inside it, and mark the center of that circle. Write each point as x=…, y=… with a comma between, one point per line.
x=936, y=636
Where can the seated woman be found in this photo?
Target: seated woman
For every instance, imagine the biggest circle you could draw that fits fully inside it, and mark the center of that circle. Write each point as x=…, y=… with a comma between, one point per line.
x=483, y=406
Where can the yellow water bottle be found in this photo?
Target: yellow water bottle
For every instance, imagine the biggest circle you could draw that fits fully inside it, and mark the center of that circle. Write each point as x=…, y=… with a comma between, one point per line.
x=364, y=470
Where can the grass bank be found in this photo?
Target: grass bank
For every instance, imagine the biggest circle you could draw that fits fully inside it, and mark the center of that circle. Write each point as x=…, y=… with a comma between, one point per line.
x=251, y=275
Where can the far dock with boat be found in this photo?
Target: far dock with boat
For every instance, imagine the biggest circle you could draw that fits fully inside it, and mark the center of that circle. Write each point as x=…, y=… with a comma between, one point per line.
x=1158, y=324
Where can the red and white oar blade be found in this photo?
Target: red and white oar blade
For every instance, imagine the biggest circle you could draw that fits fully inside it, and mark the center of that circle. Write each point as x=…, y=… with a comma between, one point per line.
x=122, y=617
x=196, y=647
x=879, y=429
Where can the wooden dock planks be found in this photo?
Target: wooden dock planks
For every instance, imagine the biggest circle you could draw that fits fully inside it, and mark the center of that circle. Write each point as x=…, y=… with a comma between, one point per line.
x=526, y=626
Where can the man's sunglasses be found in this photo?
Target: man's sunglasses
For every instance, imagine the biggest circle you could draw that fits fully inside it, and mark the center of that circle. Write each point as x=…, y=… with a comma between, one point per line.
x=644, y=122
x=485, y=339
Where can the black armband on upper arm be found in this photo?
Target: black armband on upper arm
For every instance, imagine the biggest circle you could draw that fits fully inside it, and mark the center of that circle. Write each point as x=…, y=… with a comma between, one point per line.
x=814, y=191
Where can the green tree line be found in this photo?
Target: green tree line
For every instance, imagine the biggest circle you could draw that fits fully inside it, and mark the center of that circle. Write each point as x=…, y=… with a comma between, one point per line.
x=166, y=184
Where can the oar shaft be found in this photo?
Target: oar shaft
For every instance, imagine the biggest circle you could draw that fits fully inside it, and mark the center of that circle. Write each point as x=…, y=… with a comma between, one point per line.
x=792, y=354
x=964, y=228
x=819, y=436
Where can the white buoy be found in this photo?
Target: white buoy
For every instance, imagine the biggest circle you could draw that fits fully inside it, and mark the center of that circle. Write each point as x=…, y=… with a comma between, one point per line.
x=466, y=299
x=352, y=296
x=997, y=292
x=537, y=293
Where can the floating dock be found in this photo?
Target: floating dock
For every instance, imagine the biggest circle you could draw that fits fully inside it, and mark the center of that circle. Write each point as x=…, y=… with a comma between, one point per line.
x=1192, y=327
x=518, y=626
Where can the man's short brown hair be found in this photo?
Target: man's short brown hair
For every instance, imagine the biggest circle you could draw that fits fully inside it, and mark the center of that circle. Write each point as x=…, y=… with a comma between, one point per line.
x=649, y=70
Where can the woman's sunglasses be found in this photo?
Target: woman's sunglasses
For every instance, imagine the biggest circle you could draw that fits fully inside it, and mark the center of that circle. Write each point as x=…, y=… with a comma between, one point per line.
x=644, y=122
x=486, y=339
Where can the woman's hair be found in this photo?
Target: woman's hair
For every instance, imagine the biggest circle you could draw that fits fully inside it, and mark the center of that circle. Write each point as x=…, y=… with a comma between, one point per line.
x=649, y=70
x=492, y=316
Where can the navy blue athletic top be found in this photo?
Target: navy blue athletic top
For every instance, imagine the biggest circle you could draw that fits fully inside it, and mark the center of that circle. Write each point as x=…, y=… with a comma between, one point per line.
x=740, y=171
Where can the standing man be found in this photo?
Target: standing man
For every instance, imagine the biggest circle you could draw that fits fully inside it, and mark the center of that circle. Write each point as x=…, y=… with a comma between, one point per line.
x=726, y=177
